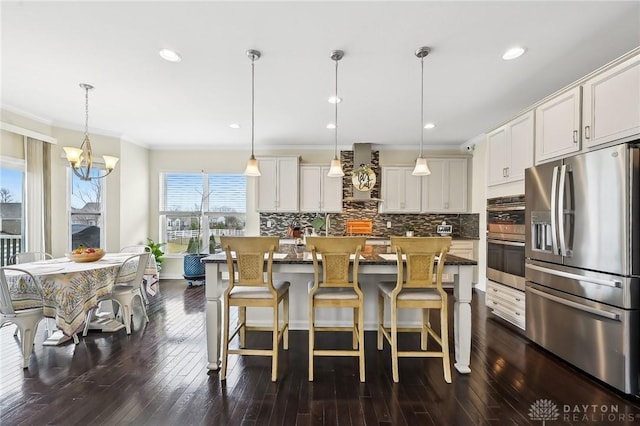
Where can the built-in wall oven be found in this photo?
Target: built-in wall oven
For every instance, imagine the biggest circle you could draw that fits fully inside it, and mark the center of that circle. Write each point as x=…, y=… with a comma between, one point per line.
x=506, y=241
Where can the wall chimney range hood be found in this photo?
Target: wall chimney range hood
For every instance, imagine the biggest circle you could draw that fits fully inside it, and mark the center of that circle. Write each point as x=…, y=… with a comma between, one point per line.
x=362, y=156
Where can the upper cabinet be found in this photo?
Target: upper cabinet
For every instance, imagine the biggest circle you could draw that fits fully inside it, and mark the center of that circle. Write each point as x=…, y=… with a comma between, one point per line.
x=319, y=192
x=510, y=150
x=611, y=104
x=445, y=189
x=278, y=184
x=400, y=190
x=558, y=126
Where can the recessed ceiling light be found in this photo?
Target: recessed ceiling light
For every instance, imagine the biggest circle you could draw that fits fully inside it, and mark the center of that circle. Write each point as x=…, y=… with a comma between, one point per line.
x=513, y=53
x=234, y=125
x=429, y=126
x=335, y=100
x=170, y=55
x=331, y=126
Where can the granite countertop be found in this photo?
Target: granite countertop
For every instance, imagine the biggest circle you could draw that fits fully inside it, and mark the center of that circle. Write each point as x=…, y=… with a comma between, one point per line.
x=370, y=255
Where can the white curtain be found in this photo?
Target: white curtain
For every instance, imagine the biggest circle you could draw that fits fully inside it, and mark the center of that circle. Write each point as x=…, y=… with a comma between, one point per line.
x=36, y=211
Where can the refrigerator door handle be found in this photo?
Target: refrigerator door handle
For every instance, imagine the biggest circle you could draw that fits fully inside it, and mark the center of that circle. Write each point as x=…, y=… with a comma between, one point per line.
x=554, y=212
x=561, y=187
x=579, y=306
x=608, y=283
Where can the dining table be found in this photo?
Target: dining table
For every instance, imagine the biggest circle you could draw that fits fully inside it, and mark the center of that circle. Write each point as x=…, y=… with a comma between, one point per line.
x=71, y=289
x=293, y=263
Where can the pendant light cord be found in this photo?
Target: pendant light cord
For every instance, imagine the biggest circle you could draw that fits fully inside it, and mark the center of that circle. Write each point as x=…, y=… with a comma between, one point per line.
x=252, y=102
x=421, y=103
x=335, y=149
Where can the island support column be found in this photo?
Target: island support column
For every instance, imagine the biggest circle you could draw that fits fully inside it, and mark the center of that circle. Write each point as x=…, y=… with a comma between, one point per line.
x=462, y=291
x=213, y=318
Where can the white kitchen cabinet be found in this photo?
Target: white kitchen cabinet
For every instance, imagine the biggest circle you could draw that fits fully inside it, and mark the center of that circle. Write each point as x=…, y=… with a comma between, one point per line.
x=506, y=302
x=611, y=104
x=510, y=150
x=558, y=126
x=400, y=190
x=445, y=189
x=278, y=184
x=319, y=192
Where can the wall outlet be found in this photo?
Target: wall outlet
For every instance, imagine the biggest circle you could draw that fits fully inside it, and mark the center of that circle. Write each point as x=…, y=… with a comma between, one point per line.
x=269, y=224
x=388, y=224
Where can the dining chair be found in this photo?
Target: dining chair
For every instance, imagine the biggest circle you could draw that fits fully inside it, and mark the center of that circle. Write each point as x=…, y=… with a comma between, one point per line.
x=335, y=287
x=33, y=256
x=125, y=290
x=139, y=248
x=248, y=259
x=415, y=288
x=28, y=319
x=29, y=256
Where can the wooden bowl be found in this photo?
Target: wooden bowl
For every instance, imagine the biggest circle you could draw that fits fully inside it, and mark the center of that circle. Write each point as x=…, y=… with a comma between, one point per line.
x=86, y=257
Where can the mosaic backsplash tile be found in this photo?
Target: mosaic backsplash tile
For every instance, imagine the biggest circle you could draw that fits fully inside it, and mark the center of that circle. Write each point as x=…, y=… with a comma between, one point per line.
x=423, y=225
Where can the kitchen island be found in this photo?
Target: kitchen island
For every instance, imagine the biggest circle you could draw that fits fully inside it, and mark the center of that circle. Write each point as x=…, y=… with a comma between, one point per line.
x=293, y=264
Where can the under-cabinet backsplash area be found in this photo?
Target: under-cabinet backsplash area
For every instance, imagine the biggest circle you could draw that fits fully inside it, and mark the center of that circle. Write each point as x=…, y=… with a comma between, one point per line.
x=423, y=225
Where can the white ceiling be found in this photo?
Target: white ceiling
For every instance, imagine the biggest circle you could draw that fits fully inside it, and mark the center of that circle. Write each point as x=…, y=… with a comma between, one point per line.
x=49, y=47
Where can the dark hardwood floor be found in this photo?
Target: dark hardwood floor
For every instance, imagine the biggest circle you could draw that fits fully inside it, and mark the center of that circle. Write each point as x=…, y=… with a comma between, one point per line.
x=158, y=376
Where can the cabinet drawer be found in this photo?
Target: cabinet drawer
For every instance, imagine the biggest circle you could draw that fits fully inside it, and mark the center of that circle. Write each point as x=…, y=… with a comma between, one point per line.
x=507, y=303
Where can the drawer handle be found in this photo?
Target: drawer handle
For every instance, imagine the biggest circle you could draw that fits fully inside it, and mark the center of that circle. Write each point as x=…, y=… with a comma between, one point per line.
x=495, y=303
x=518, y=313
x=495, y=289
x=518, y=299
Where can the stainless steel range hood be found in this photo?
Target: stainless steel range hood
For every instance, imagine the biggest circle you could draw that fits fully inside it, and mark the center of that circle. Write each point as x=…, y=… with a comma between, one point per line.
x=362, y=155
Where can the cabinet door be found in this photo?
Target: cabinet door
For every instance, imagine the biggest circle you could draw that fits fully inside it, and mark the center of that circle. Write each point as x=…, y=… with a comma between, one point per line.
x=310, y=193
x=400, y=190
x=558, y=126
x=455, y=188
x=497, y=156
x=287, y=184
x=521, y=146
x=267, y=185
x=433, y=193
x=445, y=189
x=331, y=192
x=611, y=104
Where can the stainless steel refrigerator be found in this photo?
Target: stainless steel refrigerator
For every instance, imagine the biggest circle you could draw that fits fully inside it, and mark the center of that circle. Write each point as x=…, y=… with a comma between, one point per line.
x=582, y=269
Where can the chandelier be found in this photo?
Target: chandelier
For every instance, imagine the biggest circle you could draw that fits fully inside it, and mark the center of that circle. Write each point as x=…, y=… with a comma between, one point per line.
x=81, y=159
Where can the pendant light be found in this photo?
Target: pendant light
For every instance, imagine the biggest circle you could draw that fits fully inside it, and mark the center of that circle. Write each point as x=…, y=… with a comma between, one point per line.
x=336, y=167
x=421, y=168
x=81, y=159
x=252, y=165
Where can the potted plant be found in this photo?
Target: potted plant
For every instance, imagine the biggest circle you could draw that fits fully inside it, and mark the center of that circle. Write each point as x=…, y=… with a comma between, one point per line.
x=408, y=229
x=156, y=251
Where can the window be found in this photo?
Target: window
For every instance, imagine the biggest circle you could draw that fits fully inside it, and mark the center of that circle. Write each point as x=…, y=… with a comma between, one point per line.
x=87, y=211
x=196, y=208
x=11, y=207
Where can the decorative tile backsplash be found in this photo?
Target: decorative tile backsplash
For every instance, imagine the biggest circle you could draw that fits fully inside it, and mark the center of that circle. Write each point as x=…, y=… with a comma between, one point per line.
x=423, y=225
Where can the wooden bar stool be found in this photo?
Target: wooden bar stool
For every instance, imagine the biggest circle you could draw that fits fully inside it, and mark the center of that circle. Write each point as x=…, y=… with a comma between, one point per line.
x=416, y=257
x=247, y=256
x=335, y=290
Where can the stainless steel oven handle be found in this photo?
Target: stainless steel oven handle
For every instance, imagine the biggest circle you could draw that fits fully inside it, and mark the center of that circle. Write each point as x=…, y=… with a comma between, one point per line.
x=575, y=305
x=505, y=208
x=608, y=283
x=507, y=243
x=554, y=210
x=563, y=176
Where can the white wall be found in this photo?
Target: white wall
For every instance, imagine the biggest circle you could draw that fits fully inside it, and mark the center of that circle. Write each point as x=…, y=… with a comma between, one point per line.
x=135, y=194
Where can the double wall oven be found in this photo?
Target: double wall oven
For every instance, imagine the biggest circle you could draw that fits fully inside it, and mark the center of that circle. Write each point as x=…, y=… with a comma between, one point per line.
x=506, y=241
